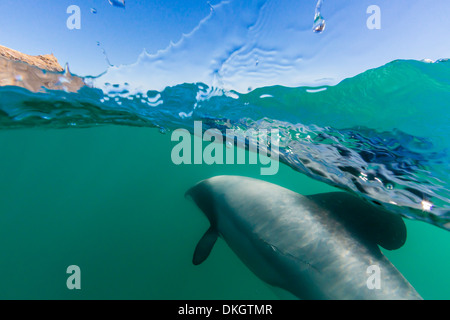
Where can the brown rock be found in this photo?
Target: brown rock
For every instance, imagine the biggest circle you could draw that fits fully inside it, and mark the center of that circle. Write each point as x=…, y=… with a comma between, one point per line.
x=35, y=73
x=46, y=62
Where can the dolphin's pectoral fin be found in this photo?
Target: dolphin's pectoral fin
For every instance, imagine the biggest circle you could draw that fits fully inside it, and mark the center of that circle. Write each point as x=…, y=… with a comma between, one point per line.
x=202, y=196
x=369, y=222
x=205, y=246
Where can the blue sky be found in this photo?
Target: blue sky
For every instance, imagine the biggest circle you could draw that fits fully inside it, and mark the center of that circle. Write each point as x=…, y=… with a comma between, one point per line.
x=277, y=30
x=39, y=27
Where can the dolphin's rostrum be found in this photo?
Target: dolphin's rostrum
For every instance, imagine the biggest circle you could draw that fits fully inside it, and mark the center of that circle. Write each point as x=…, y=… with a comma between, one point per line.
x=315, y=247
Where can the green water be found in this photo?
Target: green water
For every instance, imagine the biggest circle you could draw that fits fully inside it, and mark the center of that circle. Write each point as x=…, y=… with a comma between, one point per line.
x=109, y=200
x=382, y=134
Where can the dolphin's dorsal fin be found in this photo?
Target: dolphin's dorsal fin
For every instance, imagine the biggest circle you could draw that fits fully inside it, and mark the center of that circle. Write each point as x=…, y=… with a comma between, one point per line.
x=205, y=246
x=368, y=222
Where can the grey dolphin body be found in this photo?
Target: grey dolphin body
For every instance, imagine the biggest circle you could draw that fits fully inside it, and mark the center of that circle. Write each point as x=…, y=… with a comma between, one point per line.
x=315, y=247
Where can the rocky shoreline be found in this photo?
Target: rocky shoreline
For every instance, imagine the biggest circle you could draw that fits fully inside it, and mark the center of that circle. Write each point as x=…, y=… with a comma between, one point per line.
x=35, y=73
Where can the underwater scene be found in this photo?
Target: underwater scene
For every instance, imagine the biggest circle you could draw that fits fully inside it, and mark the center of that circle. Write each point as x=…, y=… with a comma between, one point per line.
x=224, y=150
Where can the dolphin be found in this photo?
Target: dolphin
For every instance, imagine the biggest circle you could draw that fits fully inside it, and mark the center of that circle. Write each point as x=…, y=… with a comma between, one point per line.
x=323, y=246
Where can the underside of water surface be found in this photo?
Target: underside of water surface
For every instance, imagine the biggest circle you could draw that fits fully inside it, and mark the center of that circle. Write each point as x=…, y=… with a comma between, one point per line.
x=354, y=95
x=381, y=134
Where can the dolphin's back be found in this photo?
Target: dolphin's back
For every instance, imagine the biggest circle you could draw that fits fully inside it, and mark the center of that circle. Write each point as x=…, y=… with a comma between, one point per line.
x=295, y=242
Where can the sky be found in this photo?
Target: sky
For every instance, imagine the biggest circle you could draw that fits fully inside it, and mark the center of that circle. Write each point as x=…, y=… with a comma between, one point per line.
x=39, y=27
x=245, y=42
